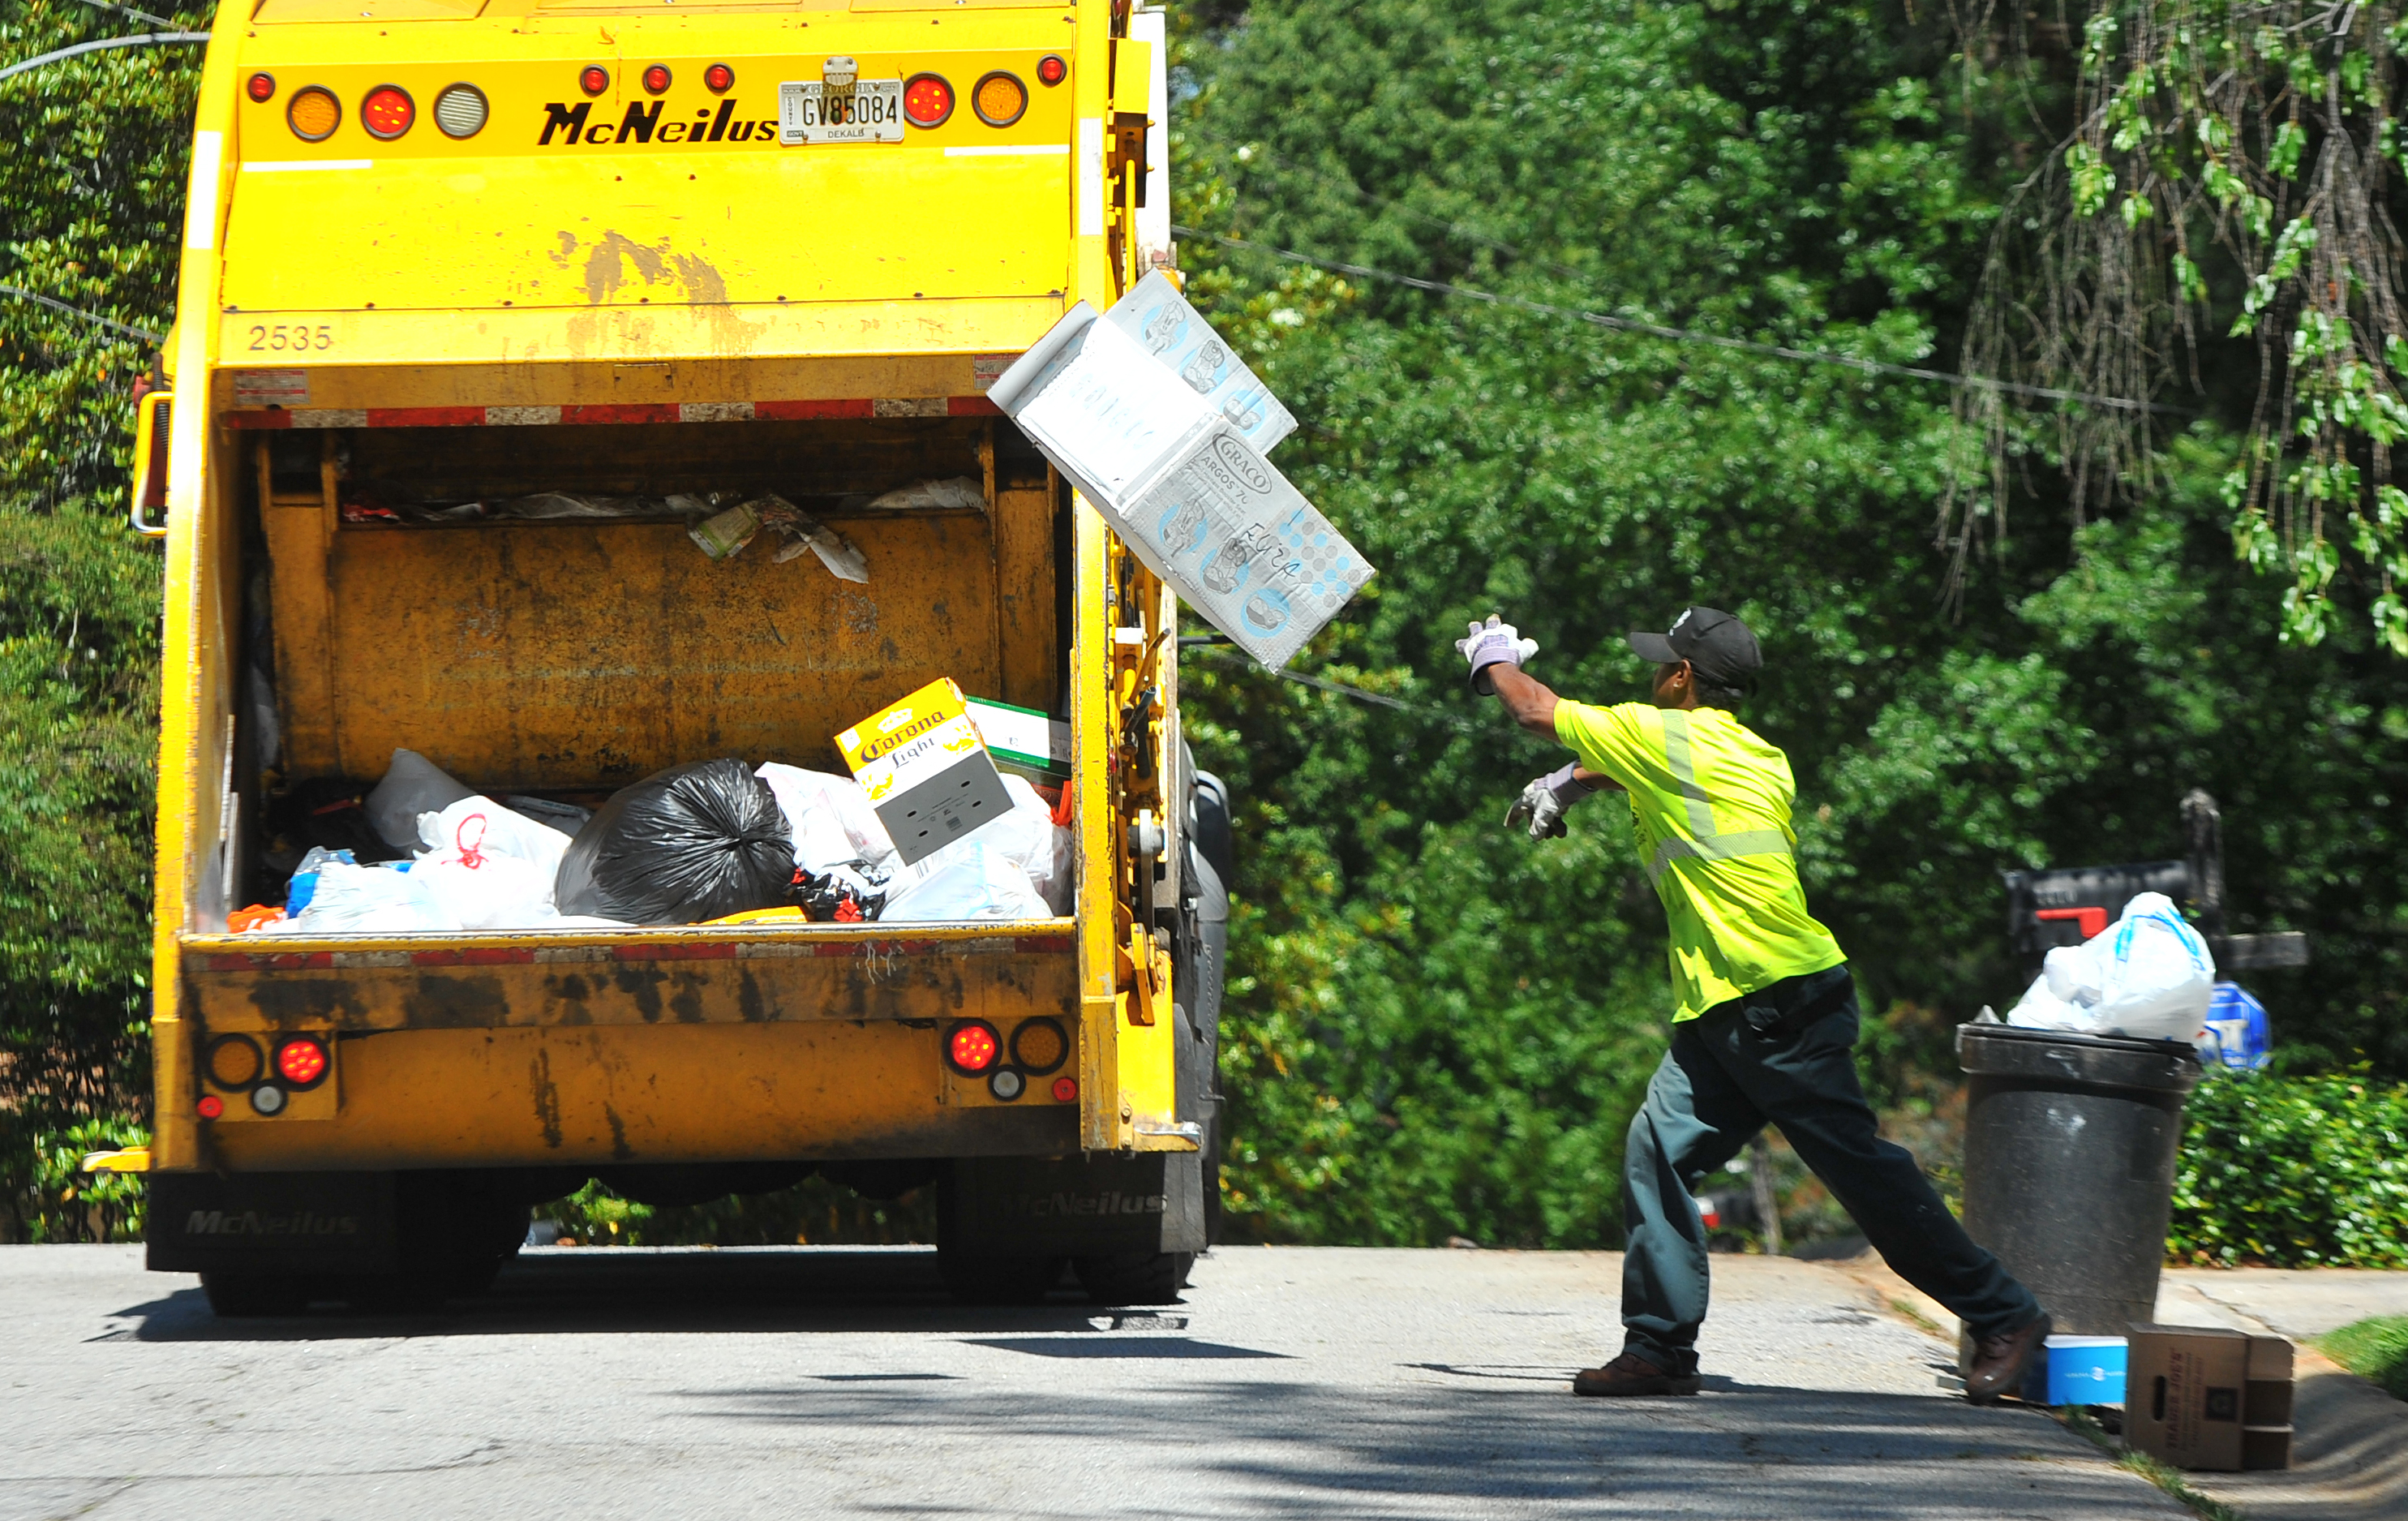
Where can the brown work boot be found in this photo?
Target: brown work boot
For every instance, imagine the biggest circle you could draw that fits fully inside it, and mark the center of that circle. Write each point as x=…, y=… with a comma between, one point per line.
x=1632, y=1374
x=1997, y=1364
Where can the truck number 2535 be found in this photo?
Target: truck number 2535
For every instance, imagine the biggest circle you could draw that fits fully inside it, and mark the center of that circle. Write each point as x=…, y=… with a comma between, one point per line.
x=264, y=338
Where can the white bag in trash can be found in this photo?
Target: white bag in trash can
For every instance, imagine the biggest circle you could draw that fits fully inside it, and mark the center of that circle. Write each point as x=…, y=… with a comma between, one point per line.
x=2148, y=974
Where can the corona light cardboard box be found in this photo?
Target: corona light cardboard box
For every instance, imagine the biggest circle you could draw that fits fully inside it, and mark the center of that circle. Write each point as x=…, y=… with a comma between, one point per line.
x=926, y=771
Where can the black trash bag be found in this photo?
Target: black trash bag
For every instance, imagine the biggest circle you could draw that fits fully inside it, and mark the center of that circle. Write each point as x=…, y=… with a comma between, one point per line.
x=693, y=843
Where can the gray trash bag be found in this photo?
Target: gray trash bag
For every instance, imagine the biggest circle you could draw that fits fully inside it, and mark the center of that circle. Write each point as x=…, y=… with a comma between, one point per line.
x=693, y=843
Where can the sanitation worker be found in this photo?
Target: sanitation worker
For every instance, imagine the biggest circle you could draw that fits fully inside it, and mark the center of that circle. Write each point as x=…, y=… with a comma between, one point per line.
x=1767, y=1012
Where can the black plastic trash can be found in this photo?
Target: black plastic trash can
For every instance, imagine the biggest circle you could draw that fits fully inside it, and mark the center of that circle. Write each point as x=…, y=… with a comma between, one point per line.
x=2070, y=1149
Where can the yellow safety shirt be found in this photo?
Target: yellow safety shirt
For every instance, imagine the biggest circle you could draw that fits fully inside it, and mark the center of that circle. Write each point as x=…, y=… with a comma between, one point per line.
x=1709, y=801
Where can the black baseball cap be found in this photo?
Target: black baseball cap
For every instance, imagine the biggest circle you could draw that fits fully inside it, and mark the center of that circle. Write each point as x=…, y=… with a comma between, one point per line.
x=1717, y=646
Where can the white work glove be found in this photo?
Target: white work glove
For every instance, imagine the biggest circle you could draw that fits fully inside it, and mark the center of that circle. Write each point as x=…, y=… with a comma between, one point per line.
x=1493, y=643
x=1543, y=802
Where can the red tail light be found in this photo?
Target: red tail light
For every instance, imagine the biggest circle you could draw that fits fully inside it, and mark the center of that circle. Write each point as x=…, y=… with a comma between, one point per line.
x=211, y=1106
x=972, y=1046
x=927, y=100
x=719, y=79
x=1065, y=1089
x=387, y=112
x=656, y=79
x=1051, y=70
x=595, y=79
x=301, y=1061
x=261, y=88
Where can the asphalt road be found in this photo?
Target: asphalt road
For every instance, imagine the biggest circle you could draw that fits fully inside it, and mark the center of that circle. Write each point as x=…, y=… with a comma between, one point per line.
x=833, y=1382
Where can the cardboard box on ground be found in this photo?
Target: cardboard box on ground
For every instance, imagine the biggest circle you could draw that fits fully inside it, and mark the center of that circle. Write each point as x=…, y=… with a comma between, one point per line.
x=2204, y=1398
x=1145, y=410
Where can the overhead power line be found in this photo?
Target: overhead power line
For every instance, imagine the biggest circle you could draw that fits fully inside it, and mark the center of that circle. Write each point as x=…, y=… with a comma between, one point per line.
x=1215, y=657
x=1678, y=335
x=143, y=333
x=148, y=39
x=129, y=10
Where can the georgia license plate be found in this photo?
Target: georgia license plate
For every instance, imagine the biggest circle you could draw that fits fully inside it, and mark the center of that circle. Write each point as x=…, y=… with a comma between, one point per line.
x=864, y=111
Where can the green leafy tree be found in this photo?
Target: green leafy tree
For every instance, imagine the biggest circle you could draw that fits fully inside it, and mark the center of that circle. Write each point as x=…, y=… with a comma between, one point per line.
x=1440, y=1030
x=92, y=187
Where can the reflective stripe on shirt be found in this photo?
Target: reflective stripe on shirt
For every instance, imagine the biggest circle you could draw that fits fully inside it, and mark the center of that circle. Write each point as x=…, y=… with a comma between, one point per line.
x=1707, y=845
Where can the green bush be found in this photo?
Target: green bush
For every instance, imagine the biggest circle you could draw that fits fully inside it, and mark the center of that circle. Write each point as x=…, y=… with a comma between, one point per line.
x=2293, y=1172
x=2377, y=1348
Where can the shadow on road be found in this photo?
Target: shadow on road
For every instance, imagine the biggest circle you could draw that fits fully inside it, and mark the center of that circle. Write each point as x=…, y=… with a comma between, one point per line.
x=1469, y=1446
x=701, y=1292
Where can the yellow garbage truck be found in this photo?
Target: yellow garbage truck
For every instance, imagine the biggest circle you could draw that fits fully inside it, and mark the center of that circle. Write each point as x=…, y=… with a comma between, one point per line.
x=479, y=300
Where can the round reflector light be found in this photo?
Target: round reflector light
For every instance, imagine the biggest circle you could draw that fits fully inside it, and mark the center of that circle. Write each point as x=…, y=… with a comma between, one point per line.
x=267, y=1099
x=211, y=1106
x=301, y=1061
x=973, y=1046
x=261, y=88
x=1007, y=1083
x=719, y=79
x=999, y=99
x=1065, y=1089
x=595, y=79
x=235, y=1061
x=1039, y=1044
x=927, y=100
x=387, y=112
x=313, y=114
x=460, y=110
x=1051, y=70
x=656, y=79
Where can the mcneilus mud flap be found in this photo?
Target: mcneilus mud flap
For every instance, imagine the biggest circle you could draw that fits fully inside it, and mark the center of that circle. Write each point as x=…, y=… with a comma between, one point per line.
x=1074, y=1206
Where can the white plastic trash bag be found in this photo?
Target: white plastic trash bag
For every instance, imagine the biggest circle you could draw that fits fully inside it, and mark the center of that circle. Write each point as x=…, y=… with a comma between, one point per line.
x=412, y=785
x=833, y=822
x=2148, y=974
x=974, y=881
x=488, y=867
x=370, y=900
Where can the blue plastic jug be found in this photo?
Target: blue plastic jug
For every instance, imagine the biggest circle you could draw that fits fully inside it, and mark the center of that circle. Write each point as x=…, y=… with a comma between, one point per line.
x=2237, y=1035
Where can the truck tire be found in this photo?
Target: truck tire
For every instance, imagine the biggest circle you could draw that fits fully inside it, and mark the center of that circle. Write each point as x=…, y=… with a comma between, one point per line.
x=1135, y=1277
x=250, y=1296
x=988, y=1278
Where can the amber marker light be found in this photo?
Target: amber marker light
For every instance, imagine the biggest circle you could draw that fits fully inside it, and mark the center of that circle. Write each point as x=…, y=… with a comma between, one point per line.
x=927, y=100
x=972, y=1046
x=999, y=99
x=301, y=1061
x=1039, y=1045
x=313, y=114
x=260, y=88
x=387, y=112
x=233, y=1061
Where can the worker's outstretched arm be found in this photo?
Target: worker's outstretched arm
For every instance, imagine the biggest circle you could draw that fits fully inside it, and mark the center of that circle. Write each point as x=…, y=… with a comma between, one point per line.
x=1525, y=697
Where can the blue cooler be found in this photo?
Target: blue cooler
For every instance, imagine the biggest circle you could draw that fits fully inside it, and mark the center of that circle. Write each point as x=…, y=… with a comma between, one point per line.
x=2077, y=1371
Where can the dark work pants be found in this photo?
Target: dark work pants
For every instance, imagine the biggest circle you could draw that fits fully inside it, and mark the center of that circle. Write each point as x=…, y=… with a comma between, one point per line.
x=1781, y=1054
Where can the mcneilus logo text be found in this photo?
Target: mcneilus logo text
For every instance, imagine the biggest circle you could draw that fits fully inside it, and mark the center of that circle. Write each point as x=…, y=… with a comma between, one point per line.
x=650, y=123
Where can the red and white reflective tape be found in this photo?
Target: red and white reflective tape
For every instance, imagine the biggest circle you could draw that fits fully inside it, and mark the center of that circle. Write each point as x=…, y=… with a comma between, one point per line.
x=666, y=411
